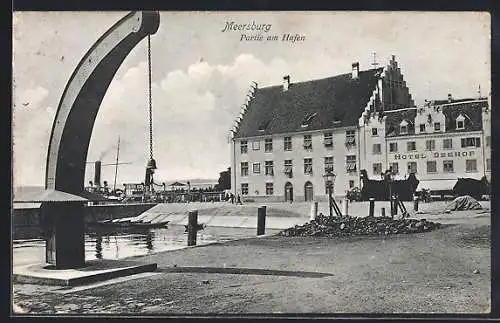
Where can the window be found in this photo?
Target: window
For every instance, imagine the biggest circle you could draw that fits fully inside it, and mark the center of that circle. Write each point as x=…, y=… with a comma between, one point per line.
x=268, y=145
x=350, y=163
x=288, y=168
x=447, y=143
x=448, y=166
x=307, y=142
x=430, y=144
x=488, y=141
x=256, y=168
x=412, y=167
x=244, y=146
x=269, y=168
x=269, y=189
x=377, y=149
x=431, y=166
x=377, y=168
x=471, y=165
x=263, y=125
x=403, y=127
x=460, y=122
x=393, y=147
x=307, y=120
x=437, y=126
x=244, y=188
x=488, y=164
x=411, y=146
x=328, y=164
x=350, y=139
x=256, y=145
x=422, y=127
x=471, y=142
x=287, y=143
x=308, y=169
x=374, y=132
x=394, y=167
x=351, y=183
x=244, y=169
x=328, y=139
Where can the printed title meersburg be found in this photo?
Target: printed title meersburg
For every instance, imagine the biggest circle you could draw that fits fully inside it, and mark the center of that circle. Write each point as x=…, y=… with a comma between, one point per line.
x=256, y=30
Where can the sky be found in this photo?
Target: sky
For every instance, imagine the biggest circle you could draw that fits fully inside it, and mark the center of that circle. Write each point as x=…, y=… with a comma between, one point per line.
x=201, y=75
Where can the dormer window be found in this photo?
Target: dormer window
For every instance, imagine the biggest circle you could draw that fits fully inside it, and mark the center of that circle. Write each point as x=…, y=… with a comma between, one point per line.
x=437, y=126
x=460, y=122
x=403, y=127
x=307, y=120
x=422, y=127
x=263, y=125
x=374, y=132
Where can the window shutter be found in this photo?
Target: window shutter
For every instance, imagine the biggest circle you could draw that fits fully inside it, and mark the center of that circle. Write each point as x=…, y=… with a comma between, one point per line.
x=463, y=142
x=478, y=142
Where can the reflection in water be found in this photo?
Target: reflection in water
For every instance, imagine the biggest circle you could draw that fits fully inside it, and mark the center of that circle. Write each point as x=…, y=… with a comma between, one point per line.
x=149, y=240
x=119, y=245
x=128, y=243
x=98, y=247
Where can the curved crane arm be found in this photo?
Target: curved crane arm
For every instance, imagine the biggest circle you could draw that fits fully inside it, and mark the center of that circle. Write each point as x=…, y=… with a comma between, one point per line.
x=82, y=97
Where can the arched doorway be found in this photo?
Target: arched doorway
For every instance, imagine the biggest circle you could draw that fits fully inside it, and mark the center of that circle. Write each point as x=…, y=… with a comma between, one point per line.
x=288, y=192
x=308, y=191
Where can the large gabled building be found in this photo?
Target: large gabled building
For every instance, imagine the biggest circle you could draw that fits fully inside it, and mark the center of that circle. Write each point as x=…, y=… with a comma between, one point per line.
x=287, y=136
x=439, y=142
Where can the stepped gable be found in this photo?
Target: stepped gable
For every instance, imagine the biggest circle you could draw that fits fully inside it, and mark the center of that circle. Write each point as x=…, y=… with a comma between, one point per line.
x=326, y=103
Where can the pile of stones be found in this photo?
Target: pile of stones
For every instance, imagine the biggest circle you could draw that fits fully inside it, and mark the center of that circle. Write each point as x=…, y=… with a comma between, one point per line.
x=325, y=226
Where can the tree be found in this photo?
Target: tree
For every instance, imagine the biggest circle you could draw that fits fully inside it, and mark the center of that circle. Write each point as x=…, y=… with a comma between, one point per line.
x=224, y=180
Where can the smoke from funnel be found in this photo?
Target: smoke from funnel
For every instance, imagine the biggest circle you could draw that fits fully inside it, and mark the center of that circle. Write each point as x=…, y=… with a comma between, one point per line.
x=97, y=173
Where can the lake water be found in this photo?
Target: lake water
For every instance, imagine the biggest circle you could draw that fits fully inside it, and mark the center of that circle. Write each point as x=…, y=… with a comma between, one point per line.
x=121, y=245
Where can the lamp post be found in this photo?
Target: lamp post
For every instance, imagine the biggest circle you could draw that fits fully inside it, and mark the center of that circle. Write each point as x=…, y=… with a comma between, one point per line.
x=389, y=176
x=329, y=178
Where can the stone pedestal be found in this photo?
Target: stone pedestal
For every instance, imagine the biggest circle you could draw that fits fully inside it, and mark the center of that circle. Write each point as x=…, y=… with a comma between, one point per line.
x=64, y=228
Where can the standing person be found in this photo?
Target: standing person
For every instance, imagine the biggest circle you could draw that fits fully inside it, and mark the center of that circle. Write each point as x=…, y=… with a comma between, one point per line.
x=232, y=198
x=238, y=200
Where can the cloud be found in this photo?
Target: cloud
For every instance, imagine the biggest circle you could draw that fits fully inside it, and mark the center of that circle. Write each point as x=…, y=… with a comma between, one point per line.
x=193, y=111
x=32, y=123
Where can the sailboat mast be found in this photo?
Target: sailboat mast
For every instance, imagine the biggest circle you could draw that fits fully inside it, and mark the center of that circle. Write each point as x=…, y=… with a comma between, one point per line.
x=116, y=166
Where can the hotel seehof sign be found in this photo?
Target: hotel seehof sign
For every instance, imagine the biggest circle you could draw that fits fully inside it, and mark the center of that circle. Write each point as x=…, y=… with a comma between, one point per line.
x=434, y=155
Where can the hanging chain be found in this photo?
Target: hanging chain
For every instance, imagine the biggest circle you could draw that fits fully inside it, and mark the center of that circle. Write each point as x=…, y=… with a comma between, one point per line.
x=150, y=101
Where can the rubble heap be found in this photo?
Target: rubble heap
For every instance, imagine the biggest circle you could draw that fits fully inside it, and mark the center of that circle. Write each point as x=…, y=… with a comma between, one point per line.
x=325, y=226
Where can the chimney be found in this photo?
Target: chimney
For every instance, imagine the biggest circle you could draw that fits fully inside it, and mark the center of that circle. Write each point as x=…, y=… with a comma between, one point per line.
x=286, y=82
x=450, y=98
x=355, y=70
x=97, y=173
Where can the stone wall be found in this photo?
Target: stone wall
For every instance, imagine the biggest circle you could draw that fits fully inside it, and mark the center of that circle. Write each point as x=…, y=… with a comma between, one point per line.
x=26, y=222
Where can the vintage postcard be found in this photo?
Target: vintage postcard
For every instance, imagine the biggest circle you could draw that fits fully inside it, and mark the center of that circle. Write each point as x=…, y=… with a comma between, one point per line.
x=233, y=163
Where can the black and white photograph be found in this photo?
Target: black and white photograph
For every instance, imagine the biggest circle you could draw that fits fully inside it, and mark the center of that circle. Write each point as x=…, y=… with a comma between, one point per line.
x=206, y=163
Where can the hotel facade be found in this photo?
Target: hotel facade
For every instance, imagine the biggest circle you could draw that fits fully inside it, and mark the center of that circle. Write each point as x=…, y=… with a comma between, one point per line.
x=287, y=137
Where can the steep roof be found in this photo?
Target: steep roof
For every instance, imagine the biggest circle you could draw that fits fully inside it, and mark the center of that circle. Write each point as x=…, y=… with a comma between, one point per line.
x=34, y=194
x=394, y=119
x=331, y=102
x=471, y=109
